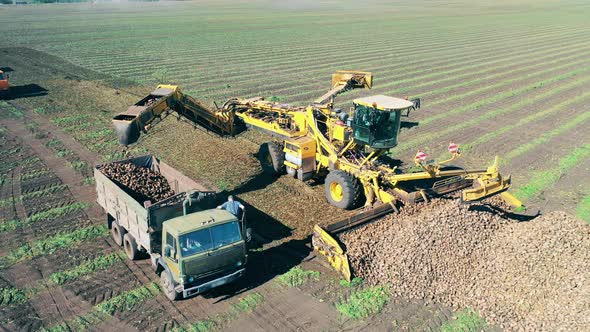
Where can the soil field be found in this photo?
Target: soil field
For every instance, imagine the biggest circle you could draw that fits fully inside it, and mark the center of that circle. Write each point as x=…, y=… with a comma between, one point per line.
x=507, y=79
x=57, y=278
x=499, y=78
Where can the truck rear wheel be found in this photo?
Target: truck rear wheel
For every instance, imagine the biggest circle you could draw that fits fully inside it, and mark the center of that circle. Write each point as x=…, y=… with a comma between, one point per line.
x=130, y=246
x=168, y=287
x=272, y=158
x=117, y=232
x=343, y=190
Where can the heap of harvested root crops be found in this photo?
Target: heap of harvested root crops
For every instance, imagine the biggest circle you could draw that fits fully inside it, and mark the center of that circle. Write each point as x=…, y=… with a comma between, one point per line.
x=531, y=275
x=141, y=183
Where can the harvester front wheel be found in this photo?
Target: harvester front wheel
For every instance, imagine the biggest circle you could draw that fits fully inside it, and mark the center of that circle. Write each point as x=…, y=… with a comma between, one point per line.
x=343, y=190
x=272, y=158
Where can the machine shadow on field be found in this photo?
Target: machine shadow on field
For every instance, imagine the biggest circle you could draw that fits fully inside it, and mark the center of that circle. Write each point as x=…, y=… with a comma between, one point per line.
x=521, y=217
x=25, y=91
x=263, y=266
x=409, y=124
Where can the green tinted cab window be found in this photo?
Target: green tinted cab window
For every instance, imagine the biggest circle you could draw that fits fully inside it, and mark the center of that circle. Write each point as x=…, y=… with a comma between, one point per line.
x=225, y=234
x=195, y=242
x=210, y=238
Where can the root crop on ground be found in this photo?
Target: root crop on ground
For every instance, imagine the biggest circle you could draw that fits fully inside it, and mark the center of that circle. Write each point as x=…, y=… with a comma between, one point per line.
x=517, y=274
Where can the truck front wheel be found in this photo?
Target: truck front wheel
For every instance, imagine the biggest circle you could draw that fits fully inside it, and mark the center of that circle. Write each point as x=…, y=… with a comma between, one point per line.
x=168, y=287
x=130, y=246
x=117, y=233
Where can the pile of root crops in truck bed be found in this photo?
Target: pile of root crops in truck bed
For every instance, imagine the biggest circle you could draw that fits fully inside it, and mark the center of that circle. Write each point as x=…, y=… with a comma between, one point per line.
x=141, y=183
x=520, y=275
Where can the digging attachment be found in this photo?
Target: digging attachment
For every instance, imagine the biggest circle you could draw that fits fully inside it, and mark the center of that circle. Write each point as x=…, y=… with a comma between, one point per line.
x=323, y=240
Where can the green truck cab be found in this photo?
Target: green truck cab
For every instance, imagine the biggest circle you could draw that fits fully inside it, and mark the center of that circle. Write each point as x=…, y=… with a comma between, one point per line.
x=193, y=246
x=202, y=250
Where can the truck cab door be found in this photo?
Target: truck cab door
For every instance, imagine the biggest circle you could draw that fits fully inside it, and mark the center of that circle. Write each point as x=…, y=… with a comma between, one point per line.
x=171, y=255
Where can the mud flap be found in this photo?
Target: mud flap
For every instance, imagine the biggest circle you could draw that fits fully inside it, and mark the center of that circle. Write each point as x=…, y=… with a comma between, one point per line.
x=326, y=245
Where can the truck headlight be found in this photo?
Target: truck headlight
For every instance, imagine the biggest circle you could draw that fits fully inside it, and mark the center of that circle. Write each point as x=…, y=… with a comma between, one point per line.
x=191, y=279
x=239, y=263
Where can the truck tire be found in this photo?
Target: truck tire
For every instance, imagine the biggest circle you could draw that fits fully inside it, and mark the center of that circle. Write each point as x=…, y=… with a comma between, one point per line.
x=343, y=190
x=117, y=232
x=168, y=287
x=272, y=158
x=130, y=246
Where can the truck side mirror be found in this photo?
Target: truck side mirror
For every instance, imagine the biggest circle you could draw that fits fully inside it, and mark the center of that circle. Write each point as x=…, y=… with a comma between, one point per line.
x=248, y=234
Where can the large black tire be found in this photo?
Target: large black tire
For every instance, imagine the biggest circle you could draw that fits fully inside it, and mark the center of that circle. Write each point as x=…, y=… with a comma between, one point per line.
x=130, y=247
x=272, y=158
x=343, y=190
x=117, y=232
x=168, y=287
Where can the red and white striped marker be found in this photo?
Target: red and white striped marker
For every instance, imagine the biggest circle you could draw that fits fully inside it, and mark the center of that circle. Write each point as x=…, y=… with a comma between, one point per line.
x=453, y=148
x=420, y=156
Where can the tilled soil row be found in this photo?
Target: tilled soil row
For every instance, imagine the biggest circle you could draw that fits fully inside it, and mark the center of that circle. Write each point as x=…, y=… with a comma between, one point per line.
x=520, y=275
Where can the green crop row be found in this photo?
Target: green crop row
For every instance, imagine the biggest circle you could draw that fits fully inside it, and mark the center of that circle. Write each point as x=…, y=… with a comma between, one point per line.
x=10, y=110
x=51, y=244
x=583, y=209
x=425, y=138
x=364, y=303
x=304, y=94
x=10, y=296
x=297, y=276
x=578, y=120
x=99, y=263
x=50, y=214
x=366, y=57
x=101, y=312
x=542, y=179
x=33, y=194
x=34, y=174
x=71, y=120
x=369, y=58
x=465, y=321
x=128, y=300
x=526, y=120
x=260, y=59
x=245, y=304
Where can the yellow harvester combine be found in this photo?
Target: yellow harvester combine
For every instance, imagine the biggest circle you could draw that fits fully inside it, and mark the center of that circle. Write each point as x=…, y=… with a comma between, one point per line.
x=345, y=149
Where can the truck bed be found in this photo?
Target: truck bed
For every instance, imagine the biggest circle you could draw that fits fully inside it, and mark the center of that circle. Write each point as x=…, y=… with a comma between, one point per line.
x=144, y=221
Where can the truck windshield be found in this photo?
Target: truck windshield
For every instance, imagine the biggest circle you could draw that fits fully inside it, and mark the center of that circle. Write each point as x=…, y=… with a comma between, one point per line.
x=210, y=238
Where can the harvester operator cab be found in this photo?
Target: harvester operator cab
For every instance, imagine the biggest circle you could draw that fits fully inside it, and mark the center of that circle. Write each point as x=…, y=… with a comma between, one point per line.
x=376, y=121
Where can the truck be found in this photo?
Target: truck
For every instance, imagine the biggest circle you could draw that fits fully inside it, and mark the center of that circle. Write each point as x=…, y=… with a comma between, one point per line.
x=193, y=247
x=4, y=84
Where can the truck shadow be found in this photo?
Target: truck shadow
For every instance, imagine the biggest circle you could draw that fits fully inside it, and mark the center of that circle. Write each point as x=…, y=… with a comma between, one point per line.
x=265, y=265
x=24, y=91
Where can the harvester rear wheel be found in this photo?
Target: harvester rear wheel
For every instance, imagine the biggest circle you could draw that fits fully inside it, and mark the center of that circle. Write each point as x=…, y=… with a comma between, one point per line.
x=272, y=158
x=343, y=190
